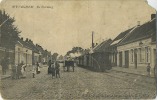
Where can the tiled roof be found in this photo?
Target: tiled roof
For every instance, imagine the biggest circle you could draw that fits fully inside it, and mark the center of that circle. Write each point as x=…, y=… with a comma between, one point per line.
x=103, y=47
x=146, y=30
x=30, y=43
x=24, y=43
x=121, y=36
x=40, y=49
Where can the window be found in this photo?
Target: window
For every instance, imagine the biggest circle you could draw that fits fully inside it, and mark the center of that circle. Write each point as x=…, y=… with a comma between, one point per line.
x=132, y=55
x=147, y=54
x=140, y=55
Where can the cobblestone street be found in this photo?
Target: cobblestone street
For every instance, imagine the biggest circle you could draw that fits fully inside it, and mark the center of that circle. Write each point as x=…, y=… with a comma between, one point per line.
x=81, y=84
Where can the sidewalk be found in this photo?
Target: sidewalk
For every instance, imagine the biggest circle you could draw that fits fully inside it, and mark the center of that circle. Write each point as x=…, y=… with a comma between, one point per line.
x=132, y=70
x=8, y=74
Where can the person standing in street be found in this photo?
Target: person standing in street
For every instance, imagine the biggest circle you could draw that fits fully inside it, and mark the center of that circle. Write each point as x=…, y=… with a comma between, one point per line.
x=49, y=67
x=33, y=71
x=148, y=69
x=57, y=69
x=37, y=68
x=23, y=70
x=53, y=70
x=19, y=70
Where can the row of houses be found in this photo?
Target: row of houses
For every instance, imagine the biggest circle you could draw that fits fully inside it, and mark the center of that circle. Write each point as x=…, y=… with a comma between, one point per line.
x=27, y=52
x=135, y=47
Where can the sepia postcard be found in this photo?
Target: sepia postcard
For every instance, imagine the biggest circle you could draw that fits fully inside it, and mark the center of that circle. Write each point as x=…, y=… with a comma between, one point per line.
x=78, y=49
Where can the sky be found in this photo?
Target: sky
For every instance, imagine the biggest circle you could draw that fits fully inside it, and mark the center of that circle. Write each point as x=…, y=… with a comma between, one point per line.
x=153, y=3
x=69, y=23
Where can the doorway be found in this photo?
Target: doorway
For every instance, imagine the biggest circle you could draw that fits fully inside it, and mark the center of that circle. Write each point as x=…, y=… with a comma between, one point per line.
x=127, y=59
x=135, y=57
x=120, y=59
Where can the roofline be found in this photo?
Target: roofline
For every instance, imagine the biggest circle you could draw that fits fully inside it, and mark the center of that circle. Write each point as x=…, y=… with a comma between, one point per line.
x=127, y=34
x=134, y=40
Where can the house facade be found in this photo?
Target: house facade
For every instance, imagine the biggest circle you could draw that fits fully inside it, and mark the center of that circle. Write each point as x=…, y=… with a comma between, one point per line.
x=23, y=53
x=138, y=48
x=35, y=51
x=113, y=46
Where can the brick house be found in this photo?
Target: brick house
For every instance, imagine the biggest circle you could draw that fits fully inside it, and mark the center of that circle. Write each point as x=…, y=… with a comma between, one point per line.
x=113, y=46
x=138, y=47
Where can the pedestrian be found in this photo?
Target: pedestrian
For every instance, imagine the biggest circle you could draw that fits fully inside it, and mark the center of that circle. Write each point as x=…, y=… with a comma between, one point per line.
x=49, y=67
x=148, y=69
x=37, y=68
x=23, y=70
x=19, y=73
x=57, y=69
x=53, y=70
x=33, y=71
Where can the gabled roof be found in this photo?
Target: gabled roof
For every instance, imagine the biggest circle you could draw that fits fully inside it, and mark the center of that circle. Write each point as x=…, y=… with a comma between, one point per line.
x=23, y=43
x=40, y=49
x=144, y=31
x=30, y=43
x=103, y=47
x=121, y=36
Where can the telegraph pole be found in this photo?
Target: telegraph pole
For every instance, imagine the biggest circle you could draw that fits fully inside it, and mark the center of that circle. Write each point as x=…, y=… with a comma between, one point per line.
x=92, y=39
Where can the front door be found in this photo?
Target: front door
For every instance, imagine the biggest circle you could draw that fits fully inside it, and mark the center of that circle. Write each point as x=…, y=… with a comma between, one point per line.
x=135, y=57
x=120, y=59
x=127, y=58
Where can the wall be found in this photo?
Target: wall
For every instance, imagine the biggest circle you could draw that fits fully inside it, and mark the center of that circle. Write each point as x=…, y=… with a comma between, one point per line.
x=142, y=53
x=23, y=54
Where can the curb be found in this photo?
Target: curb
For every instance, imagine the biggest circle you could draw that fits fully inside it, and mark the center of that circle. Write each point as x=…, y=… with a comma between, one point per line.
x=5, y=77
x=132, y=73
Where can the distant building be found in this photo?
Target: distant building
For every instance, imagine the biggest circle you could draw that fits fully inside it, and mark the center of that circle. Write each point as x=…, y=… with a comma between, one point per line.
x=35, y=51
x=42, y=54
x=97, y=58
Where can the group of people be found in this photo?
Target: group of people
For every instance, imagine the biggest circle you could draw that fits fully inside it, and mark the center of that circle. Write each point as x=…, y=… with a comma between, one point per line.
x=54, y=69
x=36, y=69
x=18, y=71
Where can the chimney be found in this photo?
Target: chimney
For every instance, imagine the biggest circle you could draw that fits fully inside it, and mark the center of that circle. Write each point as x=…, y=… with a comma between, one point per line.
x=26, y=39
x=92, y=39
x=22, y=38
x=138, y=23
x=153, y=16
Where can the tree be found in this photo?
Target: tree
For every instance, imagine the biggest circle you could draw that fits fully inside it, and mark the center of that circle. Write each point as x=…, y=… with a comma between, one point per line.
x=8, y=32
x=60, y=57
x=75, y=50
x=54, y=56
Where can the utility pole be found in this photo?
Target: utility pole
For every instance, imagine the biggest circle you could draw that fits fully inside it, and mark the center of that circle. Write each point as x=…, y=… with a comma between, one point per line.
x=92, y=39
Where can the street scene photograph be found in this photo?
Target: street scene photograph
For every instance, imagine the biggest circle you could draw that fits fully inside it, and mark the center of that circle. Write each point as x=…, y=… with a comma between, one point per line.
x=78, y=50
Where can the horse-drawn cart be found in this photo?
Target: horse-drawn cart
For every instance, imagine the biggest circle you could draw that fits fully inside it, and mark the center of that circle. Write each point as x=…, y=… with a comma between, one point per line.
x=68, y=64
